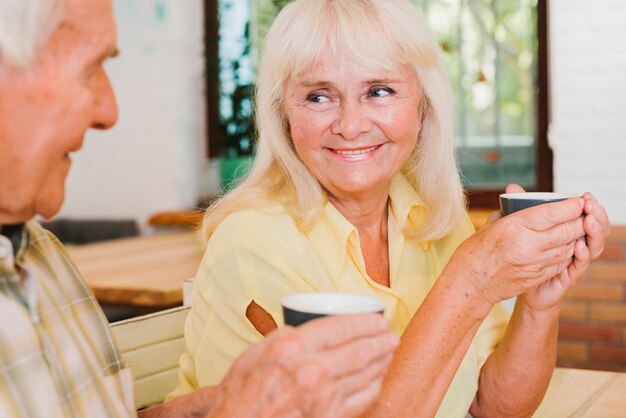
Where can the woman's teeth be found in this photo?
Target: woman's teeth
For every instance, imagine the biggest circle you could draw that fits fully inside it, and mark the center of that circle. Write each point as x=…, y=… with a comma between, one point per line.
x=356, y=152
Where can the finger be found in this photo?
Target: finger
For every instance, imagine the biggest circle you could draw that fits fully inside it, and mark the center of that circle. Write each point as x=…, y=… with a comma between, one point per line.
x=589, y=196
x=331, y=394
x=556, y=256
x=358, y=381
x=514, y=188
x=494, y=216
x=548, y=215
x=592, y=207
x=581, y=261
x=595, y=236
x=358, y=355
x=339, y=329
x=359, y=337
x=368, y=381
x=560, y=235
x=556, y=270
x=358, y=403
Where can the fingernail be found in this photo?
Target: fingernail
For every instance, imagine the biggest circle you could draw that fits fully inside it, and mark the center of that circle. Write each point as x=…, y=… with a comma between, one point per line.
x=581, y=202
x=394, y=340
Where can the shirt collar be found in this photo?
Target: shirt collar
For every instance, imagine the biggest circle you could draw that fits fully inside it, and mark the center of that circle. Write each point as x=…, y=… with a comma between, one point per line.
x=18, y=236
x=407, y=207
x=333, y=230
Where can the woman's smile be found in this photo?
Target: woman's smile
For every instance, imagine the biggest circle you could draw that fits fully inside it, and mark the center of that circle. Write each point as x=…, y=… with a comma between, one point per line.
x=355, y=154
x=353, y=127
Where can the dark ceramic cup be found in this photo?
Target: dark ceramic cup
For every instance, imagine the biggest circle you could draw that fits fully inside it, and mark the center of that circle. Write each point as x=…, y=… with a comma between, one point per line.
x=512, y=202
x=302, y=307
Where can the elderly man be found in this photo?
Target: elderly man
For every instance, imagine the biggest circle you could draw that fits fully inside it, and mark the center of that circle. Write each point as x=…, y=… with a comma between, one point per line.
x=57, y=357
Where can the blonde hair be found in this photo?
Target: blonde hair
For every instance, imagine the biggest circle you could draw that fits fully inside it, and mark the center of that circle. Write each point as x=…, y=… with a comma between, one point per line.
x=375, y=33
x=24, y=26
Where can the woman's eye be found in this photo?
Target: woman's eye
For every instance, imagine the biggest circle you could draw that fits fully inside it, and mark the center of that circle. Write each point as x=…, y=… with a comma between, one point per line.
x=381, y=92
x=316, y=98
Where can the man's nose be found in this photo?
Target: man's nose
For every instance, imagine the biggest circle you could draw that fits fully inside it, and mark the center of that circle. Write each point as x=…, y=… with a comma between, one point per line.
x=352, y=120
x=106, y=112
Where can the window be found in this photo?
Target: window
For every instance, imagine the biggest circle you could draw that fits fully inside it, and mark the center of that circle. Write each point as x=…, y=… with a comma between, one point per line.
x=496, y=56
x=494, y=52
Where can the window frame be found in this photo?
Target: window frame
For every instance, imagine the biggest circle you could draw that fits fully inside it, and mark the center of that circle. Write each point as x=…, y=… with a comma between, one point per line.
x=488, y=199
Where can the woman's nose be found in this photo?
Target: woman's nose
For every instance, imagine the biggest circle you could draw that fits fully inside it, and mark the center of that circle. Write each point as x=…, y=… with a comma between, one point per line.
x=352, y=120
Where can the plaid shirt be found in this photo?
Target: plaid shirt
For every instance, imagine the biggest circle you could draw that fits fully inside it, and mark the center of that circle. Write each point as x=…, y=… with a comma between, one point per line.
x=57, y=356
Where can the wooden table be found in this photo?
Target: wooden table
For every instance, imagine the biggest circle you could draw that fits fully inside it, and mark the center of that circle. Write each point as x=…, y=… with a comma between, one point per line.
x=146, y=271
x=584, y=393
x=192, y=218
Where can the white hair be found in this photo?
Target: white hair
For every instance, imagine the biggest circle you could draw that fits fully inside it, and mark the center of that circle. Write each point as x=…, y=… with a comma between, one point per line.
x=373, y=33
x=24, y=26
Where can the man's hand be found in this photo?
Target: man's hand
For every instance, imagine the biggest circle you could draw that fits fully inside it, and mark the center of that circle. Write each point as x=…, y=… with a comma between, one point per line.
x=332, y=366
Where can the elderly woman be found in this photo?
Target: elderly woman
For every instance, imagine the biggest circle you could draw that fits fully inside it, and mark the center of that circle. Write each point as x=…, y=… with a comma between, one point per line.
x=355, y=189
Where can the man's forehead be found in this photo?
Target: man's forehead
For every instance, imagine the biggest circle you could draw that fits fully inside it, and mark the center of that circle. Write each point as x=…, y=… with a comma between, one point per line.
x=82, y=6
x=88, y=14
x=90, y=24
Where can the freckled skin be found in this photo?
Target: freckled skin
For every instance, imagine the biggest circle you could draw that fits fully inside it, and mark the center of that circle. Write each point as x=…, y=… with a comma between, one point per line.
x=353, y=110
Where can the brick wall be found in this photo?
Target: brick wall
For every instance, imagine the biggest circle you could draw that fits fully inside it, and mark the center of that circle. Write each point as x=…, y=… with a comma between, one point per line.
x=588, y=100
x=588, y=136
x=592, y=330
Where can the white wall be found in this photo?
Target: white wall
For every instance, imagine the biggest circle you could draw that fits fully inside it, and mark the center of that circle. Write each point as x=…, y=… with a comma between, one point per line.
x=588, y=94
x=151, y=159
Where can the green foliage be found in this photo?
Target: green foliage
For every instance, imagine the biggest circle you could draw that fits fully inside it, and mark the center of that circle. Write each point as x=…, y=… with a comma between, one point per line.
x=237, y=129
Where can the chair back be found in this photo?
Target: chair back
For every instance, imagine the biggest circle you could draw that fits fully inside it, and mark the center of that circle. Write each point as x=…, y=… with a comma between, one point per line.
x=152, y=345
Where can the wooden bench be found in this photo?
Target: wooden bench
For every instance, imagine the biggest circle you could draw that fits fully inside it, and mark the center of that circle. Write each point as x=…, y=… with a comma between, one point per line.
x=152, y=345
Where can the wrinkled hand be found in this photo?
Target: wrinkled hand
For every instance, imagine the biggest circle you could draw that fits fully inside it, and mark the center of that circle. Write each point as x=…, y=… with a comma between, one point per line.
x=519, y=252
x=332, y=366
x=549, y=294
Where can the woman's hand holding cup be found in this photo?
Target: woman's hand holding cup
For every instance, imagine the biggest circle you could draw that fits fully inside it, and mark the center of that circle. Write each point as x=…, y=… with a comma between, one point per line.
x=539, y=252
x=519, y=252
x=586, y=249
x=549, y=294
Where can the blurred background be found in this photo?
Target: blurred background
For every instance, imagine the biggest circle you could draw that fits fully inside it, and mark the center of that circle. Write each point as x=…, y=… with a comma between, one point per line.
x=540, y=93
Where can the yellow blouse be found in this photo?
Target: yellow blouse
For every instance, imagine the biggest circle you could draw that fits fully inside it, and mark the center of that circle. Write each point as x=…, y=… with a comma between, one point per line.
x=261, y=255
